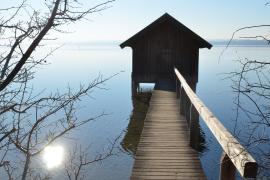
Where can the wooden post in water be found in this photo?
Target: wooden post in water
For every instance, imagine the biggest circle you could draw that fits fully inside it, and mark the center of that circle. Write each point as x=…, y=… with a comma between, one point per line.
x=134, y=87
x=227, y=168
x=194, y=131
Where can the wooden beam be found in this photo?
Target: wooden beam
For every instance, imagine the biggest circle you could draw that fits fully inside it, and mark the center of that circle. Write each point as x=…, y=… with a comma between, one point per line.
x=194, y=131
x=242, y=160
x=227, y=169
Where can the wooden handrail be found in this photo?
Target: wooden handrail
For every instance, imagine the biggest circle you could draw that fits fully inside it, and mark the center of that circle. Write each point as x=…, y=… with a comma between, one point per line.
x=242, y=160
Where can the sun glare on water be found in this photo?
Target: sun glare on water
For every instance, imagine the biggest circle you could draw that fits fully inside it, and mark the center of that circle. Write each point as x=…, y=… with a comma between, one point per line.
x=53, y=156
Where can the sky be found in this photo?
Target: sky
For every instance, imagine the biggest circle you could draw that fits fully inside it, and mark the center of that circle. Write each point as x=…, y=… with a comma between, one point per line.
x=211, y=19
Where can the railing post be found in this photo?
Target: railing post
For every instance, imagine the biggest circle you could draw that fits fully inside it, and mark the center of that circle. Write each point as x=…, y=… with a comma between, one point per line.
x=187, y=109
x=194, y=131
x=177, y=84
x=227, y=168
x=183, y=103
x=180, y=97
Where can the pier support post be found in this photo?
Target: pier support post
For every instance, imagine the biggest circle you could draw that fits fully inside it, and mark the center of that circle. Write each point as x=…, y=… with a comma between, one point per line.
x=194, y=131
x=227, y=168
x=183, y=98
x=177, y=85
x=187, y=110
x=134, y=87
x=184, y=105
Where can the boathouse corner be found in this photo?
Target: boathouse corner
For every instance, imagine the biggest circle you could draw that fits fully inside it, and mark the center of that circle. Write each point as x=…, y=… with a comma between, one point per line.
x=164, y=44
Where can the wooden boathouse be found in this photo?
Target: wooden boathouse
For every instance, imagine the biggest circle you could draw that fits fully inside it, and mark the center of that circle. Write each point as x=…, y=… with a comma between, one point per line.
x=167, y=53
x=164, y=44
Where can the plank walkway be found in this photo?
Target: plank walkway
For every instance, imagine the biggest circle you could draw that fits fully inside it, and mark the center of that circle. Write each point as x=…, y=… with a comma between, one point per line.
x=163, y=151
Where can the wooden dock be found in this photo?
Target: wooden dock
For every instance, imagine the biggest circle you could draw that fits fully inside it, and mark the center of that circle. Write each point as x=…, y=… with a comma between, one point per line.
x=164, y=151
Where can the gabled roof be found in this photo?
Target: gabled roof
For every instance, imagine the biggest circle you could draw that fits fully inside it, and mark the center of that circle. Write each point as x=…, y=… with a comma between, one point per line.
x=167, y=18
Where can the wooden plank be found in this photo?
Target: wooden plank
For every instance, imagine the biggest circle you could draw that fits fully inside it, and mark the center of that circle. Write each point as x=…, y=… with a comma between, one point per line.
x=163, y=151
x=242, y=160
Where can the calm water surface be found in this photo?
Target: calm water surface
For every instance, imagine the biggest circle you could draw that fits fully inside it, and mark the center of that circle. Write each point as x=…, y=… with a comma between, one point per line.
x=75, y=64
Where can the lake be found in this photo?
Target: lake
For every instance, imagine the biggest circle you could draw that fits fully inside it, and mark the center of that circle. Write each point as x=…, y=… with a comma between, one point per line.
x=76, y=64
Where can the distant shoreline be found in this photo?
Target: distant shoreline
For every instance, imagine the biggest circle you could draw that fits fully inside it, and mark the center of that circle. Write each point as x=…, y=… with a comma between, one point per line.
x=240, y=43
x=215, y=43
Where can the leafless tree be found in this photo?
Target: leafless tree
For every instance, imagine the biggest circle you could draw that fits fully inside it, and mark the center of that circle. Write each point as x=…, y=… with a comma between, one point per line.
x=30, y=121
x=78, y=159
x=251, y=84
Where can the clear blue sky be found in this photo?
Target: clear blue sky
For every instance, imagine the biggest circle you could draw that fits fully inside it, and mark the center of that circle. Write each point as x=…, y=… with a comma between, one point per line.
x=211, y=19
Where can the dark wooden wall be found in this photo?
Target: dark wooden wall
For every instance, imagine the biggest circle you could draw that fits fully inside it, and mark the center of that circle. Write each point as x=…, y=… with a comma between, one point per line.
x=156, y=52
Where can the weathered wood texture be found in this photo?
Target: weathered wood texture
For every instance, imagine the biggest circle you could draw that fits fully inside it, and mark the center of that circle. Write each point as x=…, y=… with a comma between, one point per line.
x=240, y=157
x=227, y=169
x=155, y=55
x=164, y=151
x=163, y=44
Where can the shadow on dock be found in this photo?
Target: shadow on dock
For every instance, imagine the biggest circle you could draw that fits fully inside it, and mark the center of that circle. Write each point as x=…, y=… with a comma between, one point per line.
x=140, y=103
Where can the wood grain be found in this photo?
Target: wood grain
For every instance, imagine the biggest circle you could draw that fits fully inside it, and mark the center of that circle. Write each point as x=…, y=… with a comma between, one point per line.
x=242, y=160
x=163, y=151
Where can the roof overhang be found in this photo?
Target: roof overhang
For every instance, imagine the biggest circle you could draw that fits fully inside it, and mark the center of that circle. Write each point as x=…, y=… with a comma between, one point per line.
x=166, y=17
